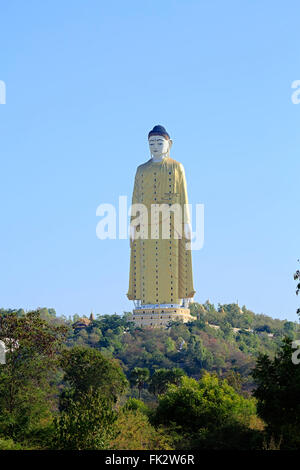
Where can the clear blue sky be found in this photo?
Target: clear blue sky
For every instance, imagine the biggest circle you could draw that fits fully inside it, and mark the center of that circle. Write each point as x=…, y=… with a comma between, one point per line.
x=86, y=81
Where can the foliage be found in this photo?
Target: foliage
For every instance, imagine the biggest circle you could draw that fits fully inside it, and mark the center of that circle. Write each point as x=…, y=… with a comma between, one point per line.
x=136, y=433
x=87, y=424
x=139, y=377
x=27, y=386
x=277, y=392
x=205, y=411
x=9, y=444
x=206, y=403
x=132, y=404
x=207, y=414
x=194, y=347
x=162, y=378
x=64, y=384
x=85, y=368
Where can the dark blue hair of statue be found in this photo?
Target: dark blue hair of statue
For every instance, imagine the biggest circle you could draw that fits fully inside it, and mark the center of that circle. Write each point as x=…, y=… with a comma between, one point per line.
x=159, y=130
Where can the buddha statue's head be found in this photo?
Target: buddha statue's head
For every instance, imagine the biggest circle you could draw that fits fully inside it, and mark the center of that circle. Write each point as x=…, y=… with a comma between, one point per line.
x=159, y=143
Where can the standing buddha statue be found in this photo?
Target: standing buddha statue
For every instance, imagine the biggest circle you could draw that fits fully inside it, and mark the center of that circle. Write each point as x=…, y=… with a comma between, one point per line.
x=161, y=278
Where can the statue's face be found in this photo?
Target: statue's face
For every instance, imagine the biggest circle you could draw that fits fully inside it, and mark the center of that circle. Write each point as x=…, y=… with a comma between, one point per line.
x=158, y=145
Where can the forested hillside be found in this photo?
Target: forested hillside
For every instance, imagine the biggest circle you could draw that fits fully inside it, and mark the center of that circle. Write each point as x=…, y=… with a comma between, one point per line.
x=223, y=340
x=186, y=386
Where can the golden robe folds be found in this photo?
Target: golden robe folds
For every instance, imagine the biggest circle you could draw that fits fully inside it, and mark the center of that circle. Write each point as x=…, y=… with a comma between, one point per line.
x=160, y=268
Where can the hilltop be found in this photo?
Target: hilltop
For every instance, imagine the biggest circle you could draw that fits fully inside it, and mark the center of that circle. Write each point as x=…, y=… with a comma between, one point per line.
x=225, y=340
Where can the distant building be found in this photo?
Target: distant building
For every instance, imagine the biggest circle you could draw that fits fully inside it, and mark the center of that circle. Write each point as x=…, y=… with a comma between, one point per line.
x=81, y=323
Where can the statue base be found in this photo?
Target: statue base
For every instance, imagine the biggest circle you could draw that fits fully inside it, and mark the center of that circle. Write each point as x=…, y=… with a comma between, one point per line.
x=160, y=317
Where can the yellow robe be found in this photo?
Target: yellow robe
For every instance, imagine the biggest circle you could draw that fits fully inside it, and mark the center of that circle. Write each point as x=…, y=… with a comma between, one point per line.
x=160, y=269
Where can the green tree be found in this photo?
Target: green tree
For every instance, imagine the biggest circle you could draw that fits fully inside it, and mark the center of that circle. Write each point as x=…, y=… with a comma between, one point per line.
x=207, y=405
x=170, y=345
x=87, y=424
x=27, y=380
x=133, y=404
x=208, y=414
x=162, y=378
x=139, y=376
x=136, y=433
x=277, y=392
x=234, y=379
x=85, y=368
x=289, y=329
